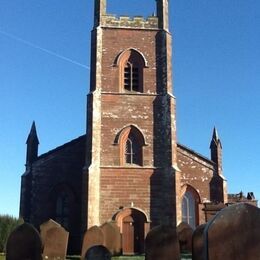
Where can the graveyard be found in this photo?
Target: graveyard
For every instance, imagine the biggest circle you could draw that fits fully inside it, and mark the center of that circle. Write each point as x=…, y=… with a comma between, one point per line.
x=233, y=233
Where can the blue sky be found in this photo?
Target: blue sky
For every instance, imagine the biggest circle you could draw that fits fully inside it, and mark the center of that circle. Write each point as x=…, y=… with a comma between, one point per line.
x=44, y=76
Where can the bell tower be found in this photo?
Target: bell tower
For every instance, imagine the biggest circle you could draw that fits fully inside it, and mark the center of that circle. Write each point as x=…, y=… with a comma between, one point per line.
x=131, y=122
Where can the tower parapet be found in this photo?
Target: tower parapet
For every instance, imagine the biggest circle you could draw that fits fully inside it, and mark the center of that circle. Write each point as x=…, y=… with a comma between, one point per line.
x=160, y=21
x=138, y=22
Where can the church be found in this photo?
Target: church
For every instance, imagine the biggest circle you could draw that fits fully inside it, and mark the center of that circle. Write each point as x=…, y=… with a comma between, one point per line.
x=128, y=167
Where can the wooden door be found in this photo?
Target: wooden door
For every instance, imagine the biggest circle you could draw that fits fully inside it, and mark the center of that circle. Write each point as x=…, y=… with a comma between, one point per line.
x=128, y=236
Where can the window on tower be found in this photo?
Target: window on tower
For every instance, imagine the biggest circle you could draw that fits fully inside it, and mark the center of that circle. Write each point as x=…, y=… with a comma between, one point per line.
x=131, y=77
x=131, y=142
x=131, y=68
x=133, y=151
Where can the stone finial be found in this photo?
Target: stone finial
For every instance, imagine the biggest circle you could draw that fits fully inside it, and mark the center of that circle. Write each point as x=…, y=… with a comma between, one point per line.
x=163, y=14
x=32, y=145
x=216, y=150
x=100, y=10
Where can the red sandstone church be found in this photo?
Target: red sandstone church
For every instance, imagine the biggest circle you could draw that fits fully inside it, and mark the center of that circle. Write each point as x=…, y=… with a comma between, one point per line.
x=128, y=168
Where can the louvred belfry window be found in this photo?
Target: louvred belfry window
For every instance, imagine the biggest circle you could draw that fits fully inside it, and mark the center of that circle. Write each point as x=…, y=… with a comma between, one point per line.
x=131, y=77
x=131, y=68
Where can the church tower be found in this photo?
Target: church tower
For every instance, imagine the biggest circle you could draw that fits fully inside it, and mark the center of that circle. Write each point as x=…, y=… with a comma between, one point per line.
x=130, y=173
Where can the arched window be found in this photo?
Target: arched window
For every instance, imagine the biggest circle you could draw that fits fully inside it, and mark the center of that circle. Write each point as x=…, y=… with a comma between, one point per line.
x=188, y=209
x=62, y=209
x=131, y=142
x=133, y=151
x=131, y=68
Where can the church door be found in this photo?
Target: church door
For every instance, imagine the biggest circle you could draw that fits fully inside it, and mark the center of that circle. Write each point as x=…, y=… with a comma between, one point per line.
x=132, y=228
x=128, y=239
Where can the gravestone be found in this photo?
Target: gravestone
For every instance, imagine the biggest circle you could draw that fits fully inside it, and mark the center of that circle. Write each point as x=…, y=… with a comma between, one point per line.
x=112, y=237
x=93, y=237
x=24, y=243
x=162, y=243
x=56, y=242
x=234, y=233
x=44, y=227
x=184, y=232
x=198, y=243
x=98, y=253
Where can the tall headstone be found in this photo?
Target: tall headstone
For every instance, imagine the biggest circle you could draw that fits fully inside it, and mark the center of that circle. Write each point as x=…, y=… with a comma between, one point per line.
x=162, y=243
x=56, y=243
x=234, y=233
x=112, y=237
x=93, y=237
x=24, y=243
x=184, y=232
x=44, y=227
x=198, y=243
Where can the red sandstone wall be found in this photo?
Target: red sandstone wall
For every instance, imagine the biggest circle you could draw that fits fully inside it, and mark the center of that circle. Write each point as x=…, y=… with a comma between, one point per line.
x=117, y=40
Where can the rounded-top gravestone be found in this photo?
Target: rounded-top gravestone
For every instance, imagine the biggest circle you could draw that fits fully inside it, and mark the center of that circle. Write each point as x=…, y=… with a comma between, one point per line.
x=24, y=243
x=162, y=243
x=98, y=253
x=234, y=233
x=184, y=232
x=93, y=237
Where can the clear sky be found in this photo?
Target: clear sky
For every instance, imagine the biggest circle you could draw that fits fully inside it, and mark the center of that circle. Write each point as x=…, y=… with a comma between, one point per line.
x=44, y=76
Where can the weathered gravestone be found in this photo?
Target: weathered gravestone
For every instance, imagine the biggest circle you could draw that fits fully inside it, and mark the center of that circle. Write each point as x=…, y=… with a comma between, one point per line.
x=56, y=242
x=198, y=243
x=162, y=243
x=234, y=234
x=44, y=227
x=98, y=253
x=112, y=237
x=24, y=243
x=93, y=237
x=184, y=232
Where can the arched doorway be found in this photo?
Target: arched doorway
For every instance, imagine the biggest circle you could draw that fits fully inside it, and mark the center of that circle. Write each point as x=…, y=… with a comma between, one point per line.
x=133, y=224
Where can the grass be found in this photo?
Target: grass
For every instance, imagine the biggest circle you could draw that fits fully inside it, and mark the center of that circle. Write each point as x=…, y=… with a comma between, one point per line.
x=184, y=256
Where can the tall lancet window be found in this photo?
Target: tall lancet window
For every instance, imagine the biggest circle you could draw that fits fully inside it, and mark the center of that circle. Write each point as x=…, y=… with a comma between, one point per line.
x=189, y=209
x=62, y=209
x=133, y=151
x=131, y=142
x=131, y=68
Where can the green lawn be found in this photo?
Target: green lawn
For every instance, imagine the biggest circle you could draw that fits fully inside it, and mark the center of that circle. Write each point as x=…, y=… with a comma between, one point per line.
x=120, y=257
